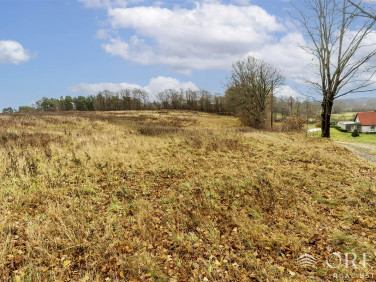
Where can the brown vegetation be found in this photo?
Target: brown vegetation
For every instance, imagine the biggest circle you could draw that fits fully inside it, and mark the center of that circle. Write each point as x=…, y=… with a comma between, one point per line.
x=174, y=197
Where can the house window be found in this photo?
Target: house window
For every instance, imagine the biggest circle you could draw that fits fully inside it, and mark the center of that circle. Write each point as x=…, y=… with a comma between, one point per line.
x=373, y=128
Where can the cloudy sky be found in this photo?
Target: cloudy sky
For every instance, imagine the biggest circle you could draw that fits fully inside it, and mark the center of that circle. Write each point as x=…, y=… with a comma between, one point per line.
x=56, y=48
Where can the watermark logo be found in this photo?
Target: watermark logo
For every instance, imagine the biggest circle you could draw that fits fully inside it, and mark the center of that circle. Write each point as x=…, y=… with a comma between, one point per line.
x=349, y=265
x=306, y=261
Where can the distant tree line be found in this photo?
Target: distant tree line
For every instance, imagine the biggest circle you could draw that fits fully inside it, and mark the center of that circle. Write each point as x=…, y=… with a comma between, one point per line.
x=127, y=99
x=172, y=99
x=132, y=99
x=250, y=95
x=194, y=100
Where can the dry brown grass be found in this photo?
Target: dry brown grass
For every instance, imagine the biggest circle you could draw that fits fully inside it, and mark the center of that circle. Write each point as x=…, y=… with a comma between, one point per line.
x=177, y=195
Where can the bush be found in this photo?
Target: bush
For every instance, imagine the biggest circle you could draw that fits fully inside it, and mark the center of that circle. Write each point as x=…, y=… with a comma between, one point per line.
x=355, y=133
x=249, y=120
x=8, y=110
x=339, y=128
x=294, y=123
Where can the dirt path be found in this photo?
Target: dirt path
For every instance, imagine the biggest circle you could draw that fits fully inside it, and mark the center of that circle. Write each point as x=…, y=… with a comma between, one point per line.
x=361, y=150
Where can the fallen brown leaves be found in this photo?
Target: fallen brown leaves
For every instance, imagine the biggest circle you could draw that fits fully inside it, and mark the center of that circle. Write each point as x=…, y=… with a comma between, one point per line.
x=108, y=202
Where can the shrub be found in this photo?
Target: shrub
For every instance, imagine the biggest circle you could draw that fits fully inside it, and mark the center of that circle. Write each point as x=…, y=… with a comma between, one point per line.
x=249, y=120
x=339, y=128
x=8, y=110
x=355, y=133
x=294, y=123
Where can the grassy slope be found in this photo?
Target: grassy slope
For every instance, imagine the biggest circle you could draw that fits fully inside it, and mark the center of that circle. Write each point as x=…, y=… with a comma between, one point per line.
x=179, y=196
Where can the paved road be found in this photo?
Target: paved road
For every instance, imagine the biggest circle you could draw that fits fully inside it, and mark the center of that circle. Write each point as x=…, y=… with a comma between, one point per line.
x=361, y=150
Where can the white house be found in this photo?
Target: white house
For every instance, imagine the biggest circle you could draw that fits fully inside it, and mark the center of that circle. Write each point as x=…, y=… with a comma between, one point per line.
x=350, y=126
x=368, y=121
x=363, y=122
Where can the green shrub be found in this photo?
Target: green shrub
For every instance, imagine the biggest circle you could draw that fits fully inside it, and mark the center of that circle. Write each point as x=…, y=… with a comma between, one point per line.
x=355, y=133
x=339, y=128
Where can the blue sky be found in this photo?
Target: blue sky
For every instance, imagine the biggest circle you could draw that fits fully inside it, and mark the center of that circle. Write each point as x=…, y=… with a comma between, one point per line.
x=56, y=48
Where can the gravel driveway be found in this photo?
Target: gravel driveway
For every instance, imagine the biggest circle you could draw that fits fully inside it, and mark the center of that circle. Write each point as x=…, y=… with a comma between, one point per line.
x=361, y=150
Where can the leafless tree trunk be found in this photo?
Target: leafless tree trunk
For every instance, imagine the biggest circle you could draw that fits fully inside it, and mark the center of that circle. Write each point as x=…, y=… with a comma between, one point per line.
x=291, y=104
x=338, y=41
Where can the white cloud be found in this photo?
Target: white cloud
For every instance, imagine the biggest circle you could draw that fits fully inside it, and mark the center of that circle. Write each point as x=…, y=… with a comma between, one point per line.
x=12, y=52
x=155, y=86
x=287, y=55
x=287, y=91
x=161, y=83
x=209, y=36
x=94, y=88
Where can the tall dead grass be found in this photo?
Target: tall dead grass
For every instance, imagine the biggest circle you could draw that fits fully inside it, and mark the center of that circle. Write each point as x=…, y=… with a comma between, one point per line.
x=177, y=196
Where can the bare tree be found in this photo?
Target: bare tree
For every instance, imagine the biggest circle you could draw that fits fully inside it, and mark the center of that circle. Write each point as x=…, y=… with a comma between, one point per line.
x=164, y=98
x=338, y=41
x=251, y=88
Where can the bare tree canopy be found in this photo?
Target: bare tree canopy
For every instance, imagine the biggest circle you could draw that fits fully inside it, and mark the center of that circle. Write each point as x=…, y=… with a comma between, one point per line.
x=251, y=87
x=364, y=9
x=343, y=47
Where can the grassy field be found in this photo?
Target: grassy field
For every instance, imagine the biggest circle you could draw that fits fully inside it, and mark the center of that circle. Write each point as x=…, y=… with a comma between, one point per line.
x=346, y=137
x=347, y=116
x=337, y=135
x=144, y=196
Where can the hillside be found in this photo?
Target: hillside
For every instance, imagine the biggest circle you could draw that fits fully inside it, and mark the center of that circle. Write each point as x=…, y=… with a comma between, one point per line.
x=175, y=196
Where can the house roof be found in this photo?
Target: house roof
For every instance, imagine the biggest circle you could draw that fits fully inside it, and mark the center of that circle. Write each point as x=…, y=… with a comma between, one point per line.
x=368, y=118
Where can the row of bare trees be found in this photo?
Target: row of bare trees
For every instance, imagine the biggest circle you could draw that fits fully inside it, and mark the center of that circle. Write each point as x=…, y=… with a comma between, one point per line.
x=133, y=99
x=194, y=100
x=125, y=99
